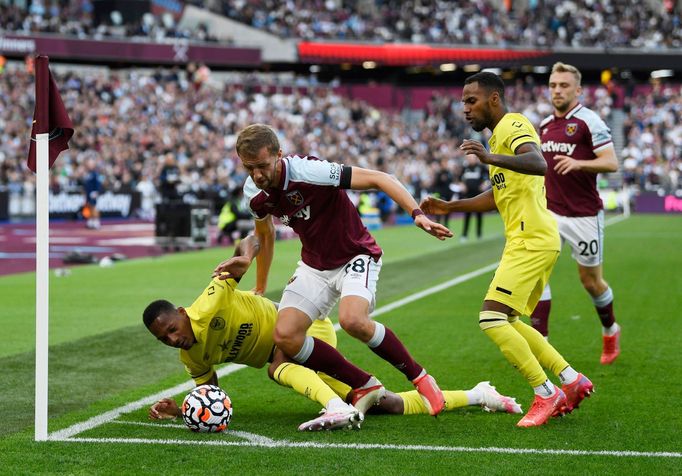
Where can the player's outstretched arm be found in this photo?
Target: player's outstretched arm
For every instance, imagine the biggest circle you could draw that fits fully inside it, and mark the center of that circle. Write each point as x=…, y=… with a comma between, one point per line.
x=527, y=160
x=259, y=246
x=238, y=265
x=366, y=179
x=483, y=202
x=265, y=231
x=164, y=409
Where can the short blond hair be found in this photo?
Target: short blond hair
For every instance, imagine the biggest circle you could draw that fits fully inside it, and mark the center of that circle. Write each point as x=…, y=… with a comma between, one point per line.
x=253, y=138
x=567, y=68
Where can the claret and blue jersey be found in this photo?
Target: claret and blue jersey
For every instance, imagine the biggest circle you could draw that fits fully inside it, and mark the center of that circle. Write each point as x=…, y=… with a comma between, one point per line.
x=310, y=198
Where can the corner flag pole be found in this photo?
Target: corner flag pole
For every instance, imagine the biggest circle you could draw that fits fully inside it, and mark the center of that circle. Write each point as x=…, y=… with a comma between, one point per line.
x=42, y=138
x=50, y=134
x=42, y=283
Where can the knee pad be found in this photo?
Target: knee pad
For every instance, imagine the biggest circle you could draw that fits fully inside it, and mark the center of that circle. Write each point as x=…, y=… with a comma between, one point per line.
x=488, y=319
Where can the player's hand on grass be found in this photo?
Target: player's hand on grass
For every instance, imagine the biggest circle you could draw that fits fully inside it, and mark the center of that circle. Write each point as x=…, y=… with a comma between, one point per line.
x=565, y=164
x=164, y=409
x=234, y=267
x=431, y=227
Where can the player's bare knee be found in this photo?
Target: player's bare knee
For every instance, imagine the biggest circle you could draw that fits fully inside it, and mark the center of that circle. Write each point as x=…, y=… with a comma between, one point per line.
x=271, y=370
x=288, y=342
x=356, y=325
x=593, y=285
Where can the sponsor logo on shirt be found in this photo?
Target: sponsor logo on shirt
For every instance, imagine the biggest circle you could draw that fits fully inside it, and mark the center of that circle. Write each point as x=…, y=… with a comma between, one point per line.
x=245, y=330
x=302, y=213
x=564, y=147
x=335, y=171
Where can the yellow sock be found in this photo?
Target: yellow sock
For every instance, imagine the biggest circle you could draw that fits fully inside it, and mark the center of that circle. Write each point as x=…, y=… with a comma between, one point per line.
x=547, y=355
x=414, y=405
x=304, y=381
x=339, y=388
x=513, y=346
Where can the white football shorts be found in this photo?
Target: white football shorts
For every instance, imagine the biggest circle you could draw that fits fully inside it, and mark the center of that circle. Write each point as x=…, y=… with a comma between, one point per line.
x=585, y=236
x=316, y=292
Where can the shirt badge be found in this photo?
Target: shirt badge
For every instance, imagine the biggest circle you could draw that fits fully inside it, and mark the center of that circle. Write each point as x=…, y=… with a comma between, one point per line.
x=295, y=197
x=571, y=128
x=217, y=323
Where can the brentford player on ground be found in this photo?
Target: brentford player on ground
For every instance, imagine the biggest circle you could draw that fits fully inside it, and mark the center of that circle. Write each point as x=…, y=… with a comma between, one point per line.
x=577, y=146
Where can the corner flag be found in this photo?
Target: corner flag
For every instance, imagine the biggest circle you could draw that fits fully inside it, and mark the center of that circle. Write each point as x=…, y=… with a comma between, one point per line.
x=50, y=135
x=49, y=115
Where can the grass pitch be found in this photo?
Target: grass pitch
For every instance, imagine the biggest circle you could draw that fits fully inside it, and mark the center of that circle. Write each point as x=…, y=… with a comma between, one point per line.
x=102, y=358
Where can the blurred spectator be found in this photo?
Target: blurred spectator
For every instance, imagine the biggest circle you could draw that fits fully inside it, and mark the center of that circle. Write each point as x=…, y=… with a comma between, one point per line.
x=148, y=198
x=441, y=187
x=474, y=180
x=169, y=179
x=234, y=220
x=92, y=186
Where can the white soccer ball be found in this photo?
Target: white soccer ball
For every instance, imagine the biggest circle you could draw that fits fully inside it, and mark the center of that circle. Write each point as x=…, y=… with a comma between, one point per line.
x=207, y=409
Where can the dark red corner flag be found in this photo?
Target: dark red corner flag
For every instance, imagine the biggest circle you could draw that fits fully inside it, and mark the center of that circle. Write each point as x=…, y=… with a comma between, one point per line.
x=50, y=114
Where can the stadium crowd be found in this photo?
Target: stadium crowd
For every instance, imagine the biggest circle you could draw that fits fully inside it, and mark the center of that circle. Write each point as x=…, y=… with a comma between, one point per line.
x=652, y=157
x=537, y=23
x=134, y=123
x=556, y=23
x=76, y=18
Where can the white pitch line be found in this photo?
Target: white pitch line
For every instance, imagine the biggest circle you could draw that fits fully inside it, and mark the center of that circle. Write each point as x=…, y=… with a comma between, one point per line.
x=435, y=289
x=371, y=446
x=131, y=407
x=254, y=439
x=149, y=423
x=245, y=435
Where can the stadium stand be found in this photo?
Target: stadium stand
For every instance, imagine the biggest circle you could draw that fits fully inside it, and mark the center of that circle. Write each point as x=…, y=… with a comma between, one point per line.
x=652, y=158
x=77, y=19
x=195, y=124
x=556, y=23
x=544, y=23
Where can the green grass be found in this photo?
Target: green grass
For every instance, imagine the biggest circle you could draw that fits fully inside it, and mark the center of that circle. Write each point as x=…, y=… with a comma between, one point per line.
x=102, y=357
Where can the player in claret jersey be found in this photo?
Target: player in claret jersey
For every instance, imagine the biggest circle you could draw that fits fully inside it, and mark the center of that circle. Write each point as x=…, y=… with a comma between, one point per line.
x=577, y=146
x=339, y=260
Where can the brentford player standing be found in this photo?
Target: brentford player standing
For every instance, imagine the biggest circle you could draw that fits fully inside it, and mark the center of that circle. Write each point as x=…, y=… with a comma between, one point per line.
x=577, y=146
x=339, y=260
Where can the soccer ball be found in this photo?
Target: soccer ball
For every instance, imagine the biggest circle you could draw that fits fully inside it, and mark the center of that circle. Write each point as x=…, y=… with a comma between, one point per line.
x=207, y=409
